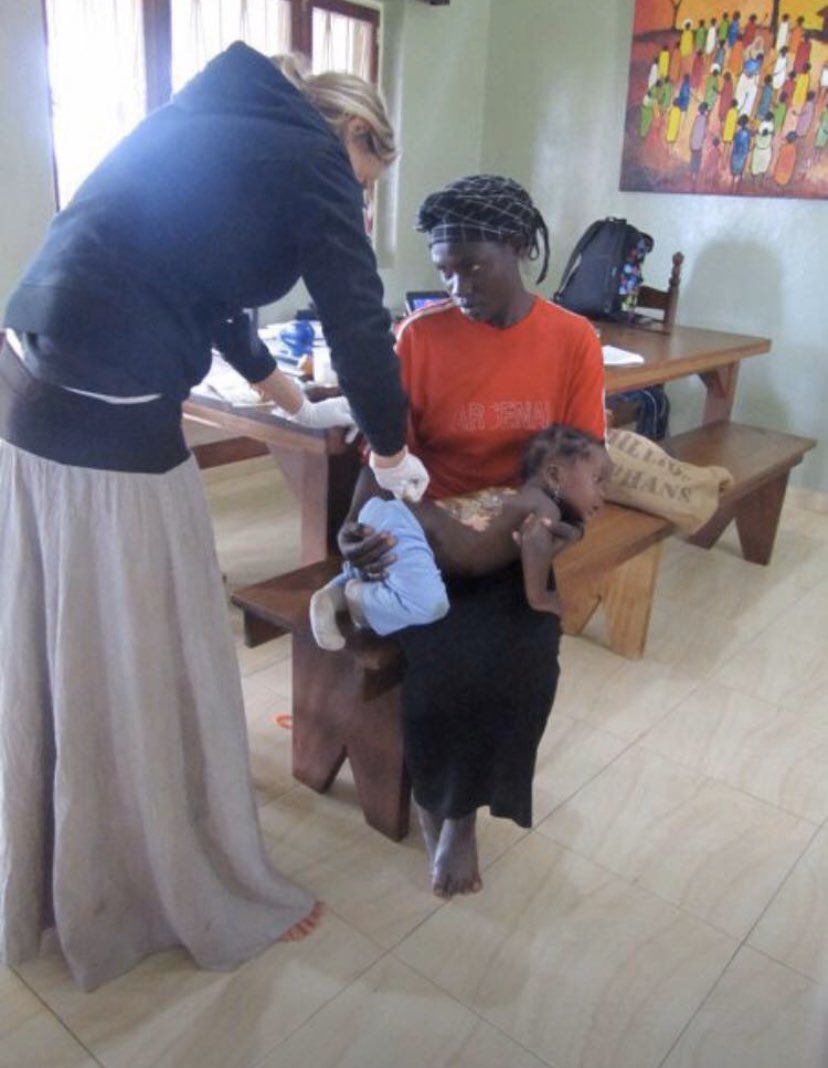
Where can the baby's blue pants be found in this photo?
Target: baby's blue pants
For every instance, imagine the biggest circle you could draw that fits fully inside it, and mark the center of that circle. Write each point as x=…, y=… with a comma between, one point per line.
x=412, y=592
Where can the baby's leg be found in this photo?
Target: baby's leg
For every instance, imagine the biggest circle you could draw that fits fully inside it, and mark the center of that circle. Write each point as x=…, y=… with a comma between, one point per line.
x=324, y=605
x=412, y=592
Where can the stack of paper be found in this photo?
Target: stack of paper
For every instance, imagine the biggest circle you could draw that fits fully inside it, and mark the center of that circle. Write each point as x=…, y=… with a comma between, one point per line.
x=614, y=357
x=225, y=383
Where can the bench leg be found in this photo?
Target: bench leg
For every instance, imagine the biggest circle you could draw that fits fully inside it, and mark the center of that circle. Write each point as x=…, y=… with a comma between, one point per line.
x=258, y=631
x=757, y=520
x=626, y=594
x=628, y=601
x=332, y=720
x=579, y=604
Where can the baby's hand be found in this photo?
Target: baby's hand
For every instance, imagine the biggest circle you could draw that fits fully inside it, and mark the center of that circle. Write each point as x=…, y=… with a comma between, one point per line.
x=561, y=532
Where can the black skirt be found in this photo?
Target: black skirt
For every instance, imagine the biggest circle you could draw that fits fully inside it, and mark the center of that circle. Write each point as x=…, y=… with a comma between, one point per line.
x=476, y=697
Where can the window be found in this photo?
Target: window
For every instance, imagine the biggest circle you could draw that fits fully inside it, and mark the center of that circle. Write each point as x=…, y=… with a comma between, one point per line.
x=112, y=61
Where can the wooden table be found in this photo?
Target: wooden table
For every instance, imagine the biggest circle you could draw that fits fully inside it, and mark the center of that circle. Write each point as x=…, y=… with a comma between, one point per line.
x=685, y=351
x=321, y=468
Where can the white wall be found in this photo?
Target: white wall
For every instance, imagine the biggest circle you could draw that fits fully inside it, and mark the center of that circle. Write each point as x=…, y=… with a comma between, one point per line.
x=26, y=190
x=554, y=118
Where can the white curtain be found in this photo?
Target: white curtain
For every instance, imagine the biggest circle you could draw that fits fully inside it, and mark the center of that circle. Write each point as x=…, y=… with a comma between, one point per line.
x=203, y=28
x=341, y=43
x=96, y=76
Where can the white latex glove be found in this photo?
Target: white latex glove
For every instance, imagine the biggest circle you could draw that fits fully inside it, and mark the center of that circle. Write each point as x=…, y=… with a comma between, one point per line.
x=333, y=411
x=407, y=480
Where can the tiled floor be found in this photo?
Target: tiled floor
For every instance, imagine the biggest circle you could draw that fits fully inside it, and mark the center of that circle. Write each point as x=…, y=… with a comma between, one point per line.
x=670, y=907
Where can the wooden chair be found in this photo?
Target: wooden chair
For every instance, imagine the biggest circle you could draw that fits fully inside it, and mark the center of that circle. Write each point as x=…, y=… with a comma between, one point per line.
x=624, y=409
x=662, y=300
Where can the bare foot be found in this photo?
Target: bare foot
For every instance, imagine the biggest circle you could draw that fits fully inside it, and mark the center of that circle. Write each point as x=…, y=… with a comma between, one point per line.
x=455, y=869
x=304, y=927
x=431, y=826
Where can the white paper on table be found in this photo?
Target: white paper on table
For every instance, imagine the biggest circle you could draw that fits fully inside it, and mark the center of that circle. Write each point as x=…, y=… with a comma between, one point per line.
x=225, y=382
x=614, y=356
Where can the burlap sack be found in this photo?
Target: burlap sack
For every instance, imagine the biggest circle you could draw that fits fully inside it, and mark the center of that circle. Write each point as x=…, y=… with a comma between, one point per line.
x=645, y=477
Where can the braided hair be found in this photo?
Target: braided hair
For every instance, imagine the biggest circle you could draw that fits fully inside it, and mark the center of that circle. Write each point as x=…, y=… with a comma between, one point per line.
x=556, y=442
x=485, y=207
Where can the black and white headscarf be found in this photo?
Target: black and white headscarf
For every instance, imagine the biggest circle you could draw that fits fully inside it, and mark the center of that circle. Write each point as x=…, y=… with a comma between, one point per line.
x=485, y=207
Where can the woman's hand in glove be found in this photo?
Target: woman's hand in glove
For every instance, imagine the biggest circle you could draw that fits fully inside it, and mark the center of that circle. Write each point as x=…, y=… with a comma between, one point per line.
x=319, y=415
x=403, y=474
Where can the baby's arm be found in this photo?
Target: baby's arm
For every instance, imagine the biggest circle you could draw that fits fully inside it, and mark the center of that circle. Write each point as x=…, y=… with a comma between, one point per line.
x=542, y=535
x=538, y=546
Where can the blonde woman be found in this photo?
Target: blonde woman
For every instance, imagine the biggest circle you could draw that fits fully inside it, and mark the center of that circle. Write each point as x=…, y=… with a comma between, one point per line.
x=127, y=814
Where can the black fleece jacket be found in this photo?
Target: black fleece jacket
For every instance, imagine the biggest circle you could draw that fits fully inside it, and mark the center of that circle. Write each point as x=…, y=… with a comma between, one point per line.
x=220, y=200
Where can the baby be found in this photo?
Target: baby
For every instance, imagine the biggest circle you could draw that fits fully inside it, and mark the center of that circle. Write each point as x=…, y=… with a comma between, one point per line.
x=563, y=475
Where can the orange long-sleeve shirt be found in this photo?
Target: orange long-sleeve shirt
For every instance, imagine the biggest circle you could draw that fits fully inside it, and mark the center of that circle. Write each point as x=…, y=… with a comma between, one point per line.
x=478, y=392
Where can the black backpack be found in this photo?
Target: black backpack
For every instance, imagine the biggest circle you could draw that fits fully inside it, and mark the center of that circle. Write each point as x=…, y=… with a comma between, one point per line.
x=603, y=274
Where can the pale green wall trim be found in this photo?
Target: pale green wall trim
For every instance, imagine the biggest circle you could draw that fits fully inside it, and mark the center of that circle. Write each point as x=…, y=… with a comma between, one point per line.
x=556, y=90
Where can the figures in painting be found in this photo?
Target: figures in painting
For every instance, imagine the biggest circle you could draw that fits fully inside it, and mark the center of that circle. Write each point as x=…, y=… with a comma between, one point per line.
x=734, y=102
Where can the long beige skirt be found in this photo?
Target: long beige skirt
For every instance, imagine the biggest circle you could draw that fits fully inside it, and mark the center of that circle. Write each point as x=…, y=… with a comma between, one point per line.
x=127, y=816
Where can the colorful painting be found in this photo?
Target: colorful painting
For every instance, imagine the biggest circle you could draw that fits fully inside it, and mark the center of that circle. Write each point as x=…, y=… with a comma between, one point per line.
x=729, y=101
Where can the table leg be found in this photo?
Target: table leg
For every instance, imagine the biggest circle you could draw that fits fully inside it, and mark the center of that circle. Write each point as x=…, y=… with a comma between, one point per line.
x=721, y=390
x=322, y=485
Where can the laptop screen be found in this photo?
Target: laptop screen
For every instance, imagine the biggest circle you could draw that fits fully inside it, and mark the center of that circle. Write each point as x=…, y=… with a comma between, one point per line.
x=421, y=298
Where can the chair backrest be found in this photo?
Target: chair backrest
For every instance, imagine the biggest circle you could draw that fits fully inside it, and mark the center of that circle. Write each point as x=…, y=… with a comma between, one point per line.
x=663, y=300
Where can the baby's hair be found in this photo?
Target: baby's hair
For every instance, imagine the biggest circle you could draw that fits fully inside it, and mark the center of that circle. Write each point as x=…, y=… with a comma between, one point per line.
x=557, y=442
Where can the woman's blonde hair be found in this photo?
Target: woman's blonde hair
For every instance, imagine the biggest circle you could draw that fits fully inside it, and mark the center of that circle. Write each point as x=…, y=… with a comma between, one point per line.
x=340, y=97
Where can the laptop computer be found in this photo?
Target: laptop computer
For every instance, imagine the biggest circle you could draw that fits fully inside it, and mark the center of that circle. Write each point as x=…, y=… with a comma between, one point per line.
x=421, y=298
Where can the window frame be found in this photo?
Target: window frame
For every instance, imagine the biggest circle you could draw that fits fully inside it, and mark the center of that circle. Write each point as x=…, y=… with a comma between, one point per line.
x=156, y=18
x=158, y=39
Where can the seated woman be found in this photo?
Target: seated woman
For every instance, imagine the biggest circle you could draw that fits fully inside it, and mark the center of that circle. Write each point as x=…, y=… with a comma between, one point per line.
x=563, y=474
x=484, y=371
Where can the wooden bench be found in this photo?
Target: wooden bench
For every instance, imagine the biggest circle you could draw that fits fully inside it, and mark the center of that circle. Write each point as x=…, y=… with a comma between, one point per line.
x=345, y=703
x=760, y=462
x=348, y=703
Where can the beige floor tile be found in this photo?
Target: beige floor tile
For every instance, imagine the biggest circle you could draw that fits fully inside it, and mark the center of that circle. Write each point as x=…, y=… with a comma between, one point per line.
x=166, y=1013
x=807, y=618
x=571, y=753
x=635, y=697
x=771, y=752
x=799, y=518
x=270, y=741
x=30, y=1035
x=729, y=587
x=794, y=930
x=712, y=850
x=586, y=668
x=571, y=961
x=760, y=1015
x=379, y=887
x=691, y=639
x=392, y=1016
x=264, y=658
x=803, y=554
x=315, y=827
x=775, y=666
